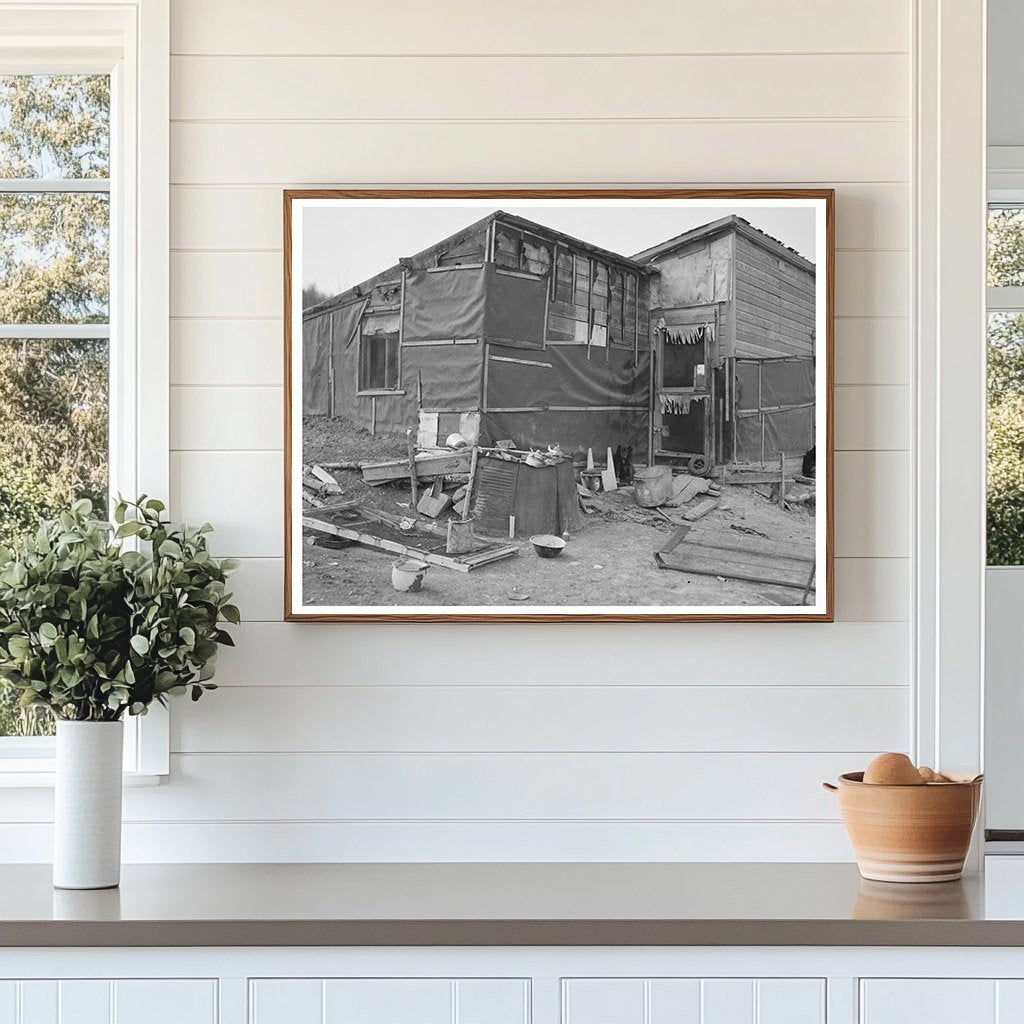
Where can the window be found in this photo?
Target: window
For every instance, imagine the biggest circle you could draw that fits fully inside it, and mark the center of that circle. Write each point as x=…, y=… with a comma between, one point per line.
x=378, y=361
x=83, y=262
x=54, y=307
x=1005, y=476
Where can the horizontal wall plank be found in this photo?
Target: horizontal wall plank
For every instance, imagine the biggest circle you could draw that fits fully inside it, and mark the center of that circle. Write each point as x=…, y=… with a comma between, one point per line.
x=227, y=352
x=872, y=504
x=873, y=283
x=258, y=586
x=872, y=350
x=377, y=787
x=233, y=284
x=633, y=719
x=238, y=418
x=867, y=589
x=868, y=216
x=462, y=842
x=241, y=493
x=568, y=151
x=537, y=26
x=872, y=590
x=872, y=418
x=537, y=87
x=759, y=654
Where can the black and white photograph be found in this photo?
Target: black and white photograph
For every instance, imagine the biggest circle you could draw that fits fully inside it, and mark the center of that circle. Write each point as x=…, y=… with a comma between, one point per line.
x=526, y=405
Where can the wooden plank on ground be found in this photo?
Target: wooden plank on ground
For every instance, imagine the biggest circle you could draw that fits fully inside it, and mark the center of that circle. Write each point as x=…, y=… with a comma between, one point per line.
x=733, y=540
x=428, y=466
x=747, y=567
x=676, y=537
x=702, y=508
x=382, y=544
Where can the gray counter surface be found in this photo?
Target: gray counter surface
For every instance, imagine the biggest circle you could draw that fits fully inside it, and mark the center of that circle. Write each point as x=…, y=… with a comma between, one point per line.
x=649, y=904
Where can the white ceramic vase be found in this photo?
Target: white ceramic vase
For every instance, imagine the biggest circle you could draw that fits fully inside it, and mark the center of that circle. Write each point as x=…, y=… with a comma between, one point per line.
x=87, y=806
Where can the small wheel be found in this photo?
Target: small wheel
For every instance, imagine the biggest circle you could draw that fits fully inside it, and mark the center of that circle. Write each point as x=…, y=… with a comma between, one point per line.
x=698, y=465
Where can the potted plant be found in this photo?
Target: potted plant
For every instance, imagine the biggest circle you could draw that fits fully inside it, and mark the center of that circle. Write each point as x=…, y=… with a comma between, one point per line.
x=99, y=620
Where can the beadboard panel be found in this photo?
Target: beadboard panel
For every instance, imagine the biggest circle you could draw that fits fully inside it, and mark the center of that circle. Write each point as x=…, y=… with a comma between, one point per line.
x=536, y=26
x=739, y=152
x=867, y=589
x=94, y=1001
x=157, y=842
x=242, y=493
x=868, y=216
x=538, y=88
x=696, y=1000
x=607, y=718
x=247, y=283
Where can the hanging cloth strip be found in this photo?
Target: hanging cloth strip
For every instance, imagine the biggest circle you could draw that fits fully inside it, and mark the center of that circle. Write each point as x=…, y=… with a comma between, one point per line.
x=694, y=336
x=679, y=405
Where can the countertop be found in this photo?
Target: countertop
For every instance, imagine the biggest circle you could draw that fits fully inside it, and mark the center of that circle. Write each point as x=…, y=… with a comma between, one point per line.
x=562, y=904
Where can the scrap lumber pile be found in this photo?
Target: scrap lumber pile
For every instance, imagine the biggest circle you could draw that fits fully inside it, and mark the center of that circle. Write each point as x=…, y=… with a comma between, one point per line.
x=320, y=490
x=737, y=555
x=404, y=536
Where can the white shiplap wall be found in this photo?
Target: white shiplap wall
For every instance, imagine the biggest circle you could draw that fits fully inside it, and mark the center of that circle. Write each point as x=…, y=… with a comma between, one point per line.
x=597, y=742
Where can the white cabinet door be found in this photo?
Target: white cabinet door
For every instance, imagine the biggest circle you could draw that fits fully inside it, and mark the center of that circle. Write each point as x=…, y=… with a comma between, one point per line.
x=693, y=1001
x=389, y=1001
x=932, y=1001
x=143, y=1001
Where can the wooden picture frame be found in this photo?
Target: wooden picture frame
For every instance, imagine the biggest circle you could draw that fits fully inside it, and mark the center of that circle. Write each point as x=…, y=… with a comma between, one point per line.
x=616, y=330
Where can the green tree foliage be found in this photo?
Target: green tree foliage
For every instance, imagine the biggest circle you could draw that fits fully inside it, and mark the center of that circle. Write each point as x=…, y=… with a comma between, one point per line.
x=1005, y=479
x=54, y=269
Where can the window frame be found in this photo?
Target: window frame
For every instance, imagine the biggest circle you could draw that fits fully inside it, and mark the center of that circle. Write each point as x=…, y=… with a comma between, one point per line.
x=130, y=41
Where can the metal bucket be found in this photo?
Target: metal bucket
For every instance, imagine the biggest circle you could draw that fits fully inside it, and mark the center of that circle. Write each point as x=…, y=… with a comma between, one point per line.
x=653, y=486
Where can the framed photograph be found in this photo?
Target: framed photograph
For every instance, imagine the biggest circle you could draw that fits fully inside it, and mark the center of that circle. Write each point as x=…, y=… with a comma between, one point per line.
x=567, y=405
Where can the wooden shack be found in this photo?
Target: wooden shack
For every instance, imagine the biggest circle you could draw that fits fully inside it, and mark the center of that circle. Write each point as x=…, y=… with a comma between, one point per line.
x=733, y=319
x=697, y=351
x=506, y=329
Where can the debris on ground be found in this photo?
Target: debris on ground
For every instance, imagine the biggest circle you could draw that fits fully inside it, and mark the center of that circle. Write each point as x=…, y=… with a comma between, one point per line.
x=366, y=505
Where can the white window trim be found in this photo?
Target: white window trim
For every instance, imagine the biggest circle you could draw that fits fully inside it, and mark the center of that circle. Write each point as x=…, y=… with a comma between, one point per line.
x=949, y=444
x=130, y=40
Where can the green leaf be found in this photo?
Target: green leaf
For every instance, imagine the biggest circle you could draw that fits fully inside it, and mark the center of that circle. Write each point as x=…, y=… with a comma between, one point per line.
x=170, y=549
x=231, y=613
x=140, y=644
x=48, y=631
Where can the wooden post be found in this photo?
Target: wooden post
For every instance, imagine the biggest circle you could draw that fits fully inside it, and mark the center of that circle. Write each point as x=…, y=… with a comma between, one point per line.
x=330, y=367
x=411, y=448
x=782, y=479
x=469, y=482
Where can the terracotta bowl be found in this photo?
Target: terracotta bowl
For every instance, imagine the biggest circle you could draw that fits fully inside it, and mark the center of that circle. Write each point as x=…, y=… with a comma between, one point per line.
x=909, y=833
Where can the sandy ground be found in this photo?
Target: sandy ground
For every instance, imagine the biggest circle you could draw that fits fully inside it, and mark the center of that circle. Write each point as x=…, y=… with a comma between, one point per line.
x=609, y=562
